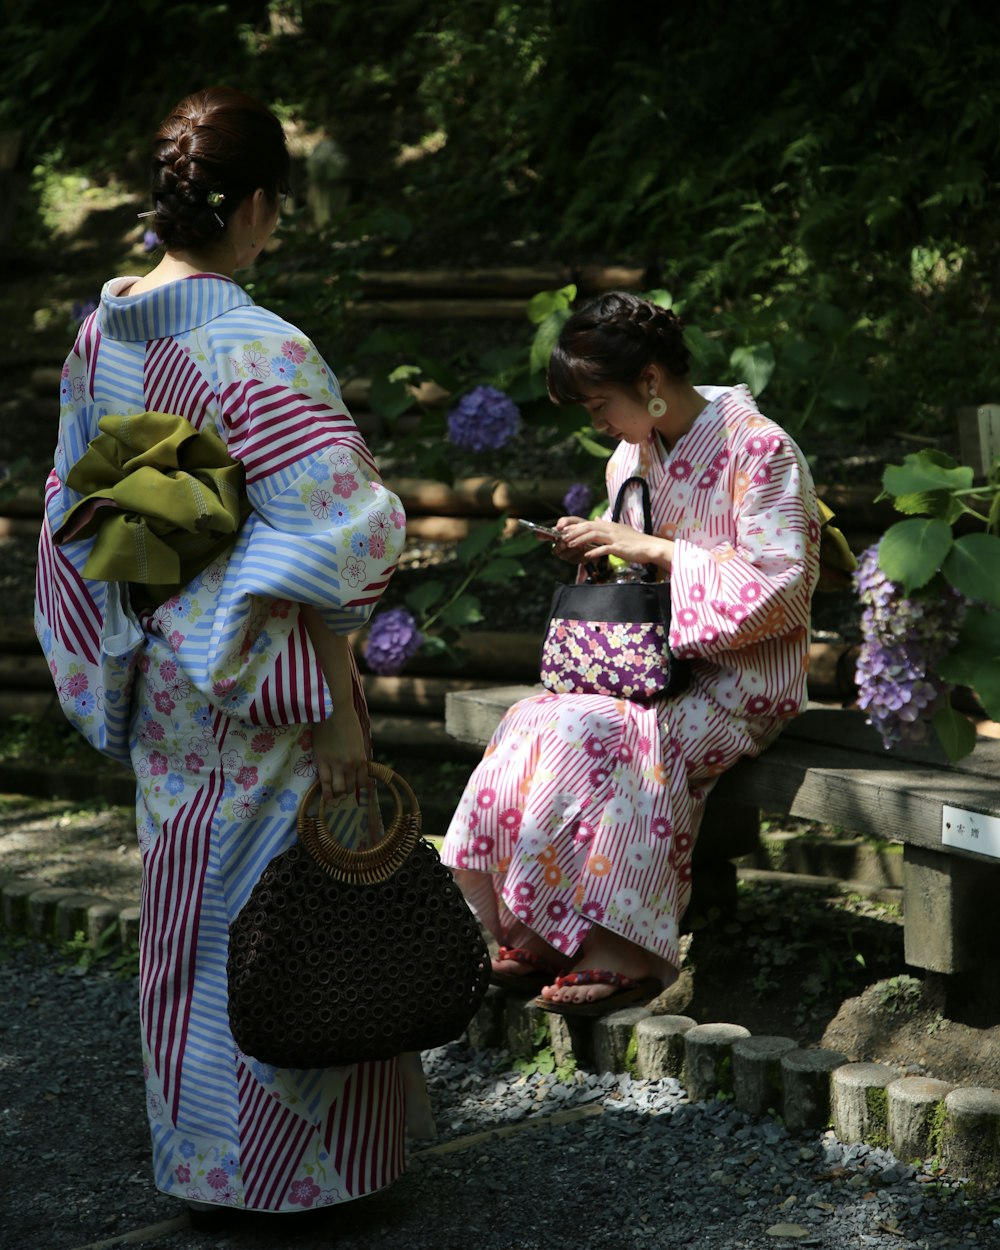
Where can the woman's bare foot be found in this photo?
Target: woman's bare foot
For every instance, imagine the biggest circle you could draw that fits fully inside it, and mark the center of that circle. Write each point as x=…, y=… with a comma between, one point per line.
x=603, y=950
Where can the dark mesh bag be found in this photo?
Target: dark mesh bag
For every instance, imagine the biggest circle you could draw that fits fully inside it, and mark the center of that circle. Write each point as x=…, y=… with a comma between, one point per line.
x=341, y=956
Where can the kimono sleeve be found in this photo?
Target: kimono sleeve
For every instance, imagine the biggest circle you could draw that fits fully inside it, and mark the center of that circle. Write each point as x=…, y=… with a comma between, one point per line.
x=758, y=585
x=324, y=530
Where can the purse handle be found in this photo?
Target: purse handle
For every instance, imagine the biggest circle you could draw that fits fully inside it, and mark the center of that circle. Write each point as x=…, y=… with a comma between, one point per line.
x=375, y=863
x=652, y=570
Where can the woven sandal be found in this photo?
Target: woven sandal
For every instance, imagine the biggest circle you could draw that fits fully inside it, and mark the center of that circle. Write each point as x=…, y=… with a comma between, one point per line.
x=526, y=983
x=627, y=990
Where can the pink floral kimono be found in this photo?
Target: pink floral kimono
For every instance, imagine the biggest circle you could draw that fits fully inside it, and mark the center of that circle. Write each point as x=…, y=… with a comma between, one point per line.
x=584, y=809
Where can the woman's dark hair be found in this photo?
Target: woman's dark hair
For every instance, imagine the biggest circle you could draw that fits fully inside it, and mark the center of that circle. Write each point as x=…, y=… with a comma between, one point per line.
x=611, y=339
x=210, y=152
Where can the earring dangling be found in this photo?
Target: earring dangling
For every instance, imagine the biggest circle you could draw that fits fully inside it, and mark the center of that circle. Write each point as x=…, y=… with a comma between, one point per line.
x=656, y=406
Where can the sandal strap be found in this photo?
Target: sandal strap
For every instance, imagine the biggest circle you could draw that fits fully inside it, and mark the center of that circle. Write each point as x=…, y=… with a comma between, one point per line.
x=518, y=955
x=596, y=976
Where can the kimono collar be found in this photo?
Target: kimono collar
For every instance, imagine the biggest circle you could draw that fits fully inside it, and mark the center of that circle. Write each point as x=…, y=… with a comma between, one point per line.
x=168, y=310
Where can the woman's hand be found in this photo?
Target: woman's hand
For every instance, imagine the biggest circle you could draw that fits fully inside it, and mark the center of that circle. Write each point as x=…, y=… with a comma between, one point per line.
x=339, y=754
x=589, y=540
x=338, y=742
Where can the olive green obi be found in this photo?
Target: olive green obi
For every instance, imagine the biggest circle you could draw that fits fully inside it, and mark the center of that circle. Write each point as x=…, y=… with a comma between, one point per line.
x=162, y=501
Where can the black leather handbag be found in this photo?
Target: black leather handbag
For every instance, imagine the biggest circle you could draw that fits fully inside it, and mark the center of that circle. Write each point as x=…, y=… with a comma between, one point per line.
x=612, y=637
x=340, y=956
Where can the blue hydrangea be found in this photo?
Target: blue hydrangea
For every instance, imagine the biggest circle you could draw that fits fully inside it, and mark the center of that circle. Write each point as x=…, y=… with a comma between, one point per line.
x=484, y=419
x=174, y=783
x=187, y=1149
x=393, y=638
x=904, y=639
x=262, y=643
x=578, y=499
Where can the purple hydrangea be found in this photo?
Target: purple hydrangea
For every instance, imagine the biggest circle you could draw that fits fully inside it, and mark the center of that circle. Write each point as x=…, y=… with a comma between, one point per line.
x=485, y=419
x=150, y=241
x=80, y=311
x=905, y=637
x=393, y=638
x=578, y=499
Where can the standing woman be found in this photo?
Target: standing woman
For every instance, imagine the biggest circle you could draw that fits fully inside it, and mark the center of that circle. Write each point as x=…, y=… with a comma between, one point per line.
x=200, y=568
x=573, y=839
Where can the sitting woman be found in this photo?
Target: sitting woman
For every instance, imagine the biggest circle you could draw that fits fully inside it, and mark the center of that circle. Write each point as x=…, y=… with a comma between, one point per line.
x=573, y=839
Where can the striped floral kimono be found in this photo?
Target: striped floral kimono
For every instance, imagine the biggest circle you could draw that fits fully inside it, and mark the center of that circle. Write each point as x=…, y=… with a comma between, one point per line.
x=210, y=696
x=584, y=809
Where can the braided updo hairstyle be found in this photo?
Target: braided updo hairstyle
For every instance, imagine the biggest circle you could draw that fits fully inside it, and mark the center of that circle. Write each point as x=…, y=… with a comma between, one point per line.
x=210, y=152
x=612, y=339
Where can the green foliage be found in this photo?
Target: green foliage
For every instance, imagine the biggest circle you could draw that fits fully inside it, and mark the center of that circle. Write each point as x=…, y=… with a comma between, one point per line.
x=928, y=552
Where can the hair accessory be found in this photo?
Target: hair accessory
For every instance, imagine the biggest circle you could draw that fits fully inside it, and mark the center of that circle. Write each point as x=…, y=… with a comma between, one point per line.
x=656, y=406
x=214, y=199
x=151, y=213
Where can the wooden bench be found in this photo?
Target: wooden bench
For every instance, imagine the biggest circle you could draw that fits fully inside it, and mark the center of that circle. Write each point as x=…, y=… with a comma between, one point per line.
x=829, y=766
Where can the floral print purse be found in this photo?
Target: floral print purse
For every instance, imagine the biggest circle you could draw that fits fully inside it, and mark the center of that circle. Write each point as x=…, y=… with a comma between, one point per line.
x=611, y=637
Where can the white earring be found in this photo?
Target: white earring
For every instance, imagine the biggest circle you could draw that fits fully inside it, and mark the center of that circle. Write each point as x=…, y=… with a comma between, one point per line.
x=656, y=406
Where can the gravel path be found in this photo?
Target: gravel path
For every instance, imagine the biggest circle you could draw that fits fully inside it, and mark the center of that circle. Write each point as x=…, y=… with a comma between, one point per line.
x=625, y=1163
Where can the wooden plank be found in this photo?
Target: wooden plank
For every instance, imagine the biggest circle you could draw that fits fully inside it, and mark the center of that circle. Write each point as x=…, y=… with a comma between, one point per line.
x=25, y=672
x=439, y=309
x=481, y=496
x=510, y=280
x=858, y=791
x=408, y=694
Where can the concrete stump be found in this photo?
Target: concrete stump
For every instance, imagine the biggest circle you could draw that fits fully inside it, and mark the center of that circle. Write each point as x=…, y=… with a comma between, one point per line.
x=101, y=916
x=42, y=909
x=708, y=1059
x=524, y=1023
x=561, y=1039
x=805, y=1078
x=485, y=1029
x=615, y=1044
x=660, y=1046
x=73, y=916
x=970, y=1136
x=914, y=1107
x=757, y=1082
x=128, y=926
x=572, y=1036
x=15, y=903
x=859, y=1103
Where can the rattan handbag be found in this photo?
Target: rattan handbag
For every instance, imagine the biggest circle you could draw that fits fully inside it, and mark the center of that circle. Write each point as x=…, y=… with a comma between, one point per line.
x=341, y=956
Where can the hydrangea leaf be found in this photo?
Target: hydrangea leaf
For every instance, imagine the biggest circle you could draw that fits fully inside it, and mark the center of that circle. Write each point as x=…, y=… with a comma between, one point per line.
x=545, y=303
x=911, y=552
x=973, y=567
x=479, y=538
x=520, y=545
x=545, y=339
x=754, y=365
x=924, y=471
x=389, y=398
x=464, y=611
x=423, y=597
x=955, y=732
x=974, y=661
x=501, y=570
x=938, y=503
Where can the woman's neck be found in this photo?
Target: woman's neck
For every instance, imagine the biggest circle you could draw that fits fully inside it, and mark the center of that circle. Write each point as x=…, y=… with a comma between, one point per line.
x=177, y=265
x=684, y=406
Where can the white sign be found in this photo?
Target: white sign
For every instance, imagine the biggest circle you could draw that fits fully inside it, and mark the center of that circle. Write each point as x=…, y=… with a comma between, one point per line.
x=972, y=831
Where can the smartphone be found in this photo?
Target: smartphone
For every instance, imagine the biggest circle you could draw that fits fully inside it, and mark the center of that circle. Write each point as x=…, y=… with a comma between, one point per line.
x=545, y=531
